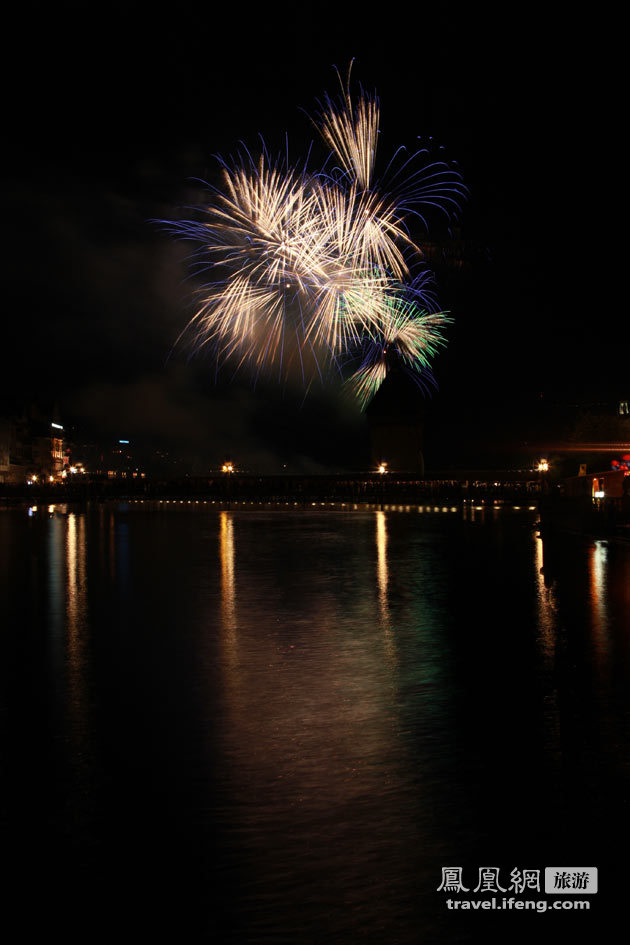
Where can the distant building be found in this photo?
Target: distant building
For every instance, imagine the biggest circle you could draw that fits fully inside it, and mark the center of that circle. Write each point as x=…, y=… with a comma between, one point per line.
x=31, y=447
x=107, y=459
x=5, y=449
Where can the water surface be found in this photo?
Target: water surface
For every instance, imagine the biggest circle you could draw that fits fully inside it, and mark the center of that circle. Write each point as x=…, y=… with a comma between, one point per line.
x=278, y=726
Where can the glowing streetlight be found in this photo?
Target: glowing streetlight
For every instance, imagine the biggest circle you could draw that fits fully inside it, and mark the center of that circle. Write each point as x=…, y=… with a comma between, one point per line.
x=543, y=466
x=382, y=469
x=227, y=468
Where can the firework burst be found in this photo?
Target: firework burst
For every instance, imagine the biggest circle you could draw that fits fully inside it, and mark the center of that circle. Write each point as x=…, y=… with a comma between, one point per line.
x=304, y=266
x=302, y=261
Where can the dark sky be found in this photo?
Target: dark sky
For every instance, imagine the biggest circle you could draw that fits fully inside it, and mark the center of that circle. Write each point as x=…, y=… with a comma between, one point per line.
x=110, y=114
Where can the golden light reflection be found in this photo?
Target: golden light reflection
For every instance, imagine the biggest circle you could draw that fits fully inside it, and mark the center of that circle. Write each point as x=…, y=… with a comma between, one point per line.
x=597, y=568
x=76, y=569
x=547, y=605
x=381, y=560
x=71, y=552
x=382, y=576
x=76, y=622
x=226, y=553
x=546, y=641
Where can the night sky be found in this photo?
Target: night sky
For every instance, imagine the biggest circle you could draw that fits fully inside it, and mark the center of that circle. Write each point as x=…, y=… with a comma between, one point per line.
x=112, y=115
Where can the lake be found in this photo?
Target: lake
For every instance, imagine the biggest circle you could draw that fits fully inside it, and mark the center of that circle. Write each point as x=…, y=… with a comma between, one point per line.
x=278, y=725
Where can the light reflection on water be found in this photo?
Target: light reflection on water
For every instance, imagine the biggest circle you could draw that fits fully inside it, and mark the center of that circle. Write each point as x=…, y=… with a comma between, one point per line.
x=77, y=625
x=319, y=710
x=599, y=613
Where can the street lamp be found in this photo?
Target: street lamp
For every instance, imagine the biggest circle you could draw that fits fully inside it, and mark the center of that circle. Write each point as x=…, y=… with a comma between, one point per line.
x=382, y=471
x=543, y=479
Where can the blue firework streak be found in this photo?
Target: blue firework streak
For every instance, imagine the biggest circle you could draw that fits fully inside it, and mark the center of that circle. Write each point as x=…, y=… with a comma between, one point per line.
x=416, y=182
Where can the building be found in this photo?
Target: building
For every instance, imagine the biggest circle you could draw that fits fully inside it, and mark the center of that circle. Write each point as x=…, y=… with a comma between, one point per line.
x=32, y=448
